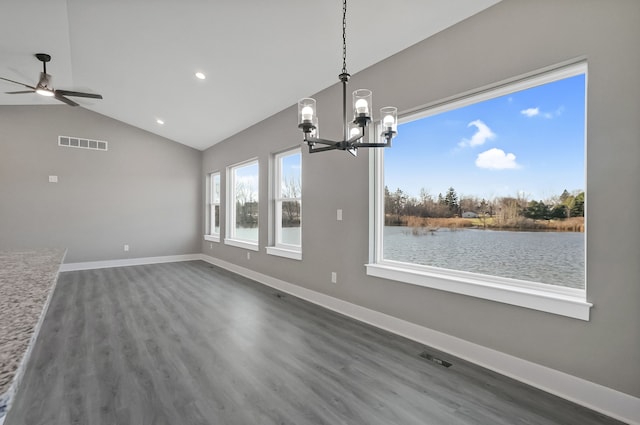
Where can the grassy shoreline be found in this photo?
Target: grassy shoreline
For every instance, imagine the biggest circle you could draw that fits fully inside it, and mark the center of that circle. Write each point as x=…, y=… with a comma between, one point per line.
x=573, y=224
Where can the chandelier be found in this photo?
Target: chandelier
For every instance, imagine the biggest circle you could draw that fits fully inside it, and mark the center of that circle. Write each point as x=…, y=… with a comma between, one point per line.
x=354, y=131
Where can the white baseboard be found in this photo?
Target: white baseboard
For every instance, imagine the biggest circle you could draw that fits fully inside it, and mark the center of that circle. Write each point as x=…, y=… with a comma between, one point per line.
x=602, y=399
x=124, y=262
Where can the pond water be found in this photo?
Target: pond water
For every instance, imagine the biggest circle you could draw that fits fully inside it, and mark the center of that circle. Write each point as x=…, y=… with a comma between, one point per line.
x=556, y=258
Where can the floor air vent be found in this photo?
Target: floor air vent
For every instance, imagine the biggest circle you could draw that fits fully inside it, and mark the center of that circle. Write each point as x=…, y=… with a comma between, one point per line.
x=434, y=359
x=78, y=142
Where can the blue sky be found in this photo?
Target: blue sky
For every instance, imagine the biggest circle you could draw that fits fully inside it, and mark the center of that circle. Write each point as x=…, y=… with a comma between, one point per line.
x=247, y=176
x=291, y=166
x=530, y=142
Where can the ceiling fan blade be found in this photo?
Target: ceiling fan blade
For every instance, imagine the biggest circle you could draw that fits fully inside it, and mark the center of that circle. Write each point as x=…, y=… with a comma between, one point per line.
x=19, y=92
x=78, y=94
x=61, y=98
x=16, y=82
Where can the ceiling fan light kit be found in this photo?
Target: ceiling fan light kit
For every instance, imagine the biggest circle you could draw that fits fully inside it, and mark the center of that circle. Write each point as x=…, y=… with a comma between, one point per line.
x=44, y=92
x=44, y=87
x=354, y=131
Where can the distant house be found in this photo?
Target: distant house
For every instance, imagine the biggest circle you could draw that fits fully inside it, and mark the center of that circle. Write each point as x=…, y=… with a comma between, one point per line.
x=469, y=214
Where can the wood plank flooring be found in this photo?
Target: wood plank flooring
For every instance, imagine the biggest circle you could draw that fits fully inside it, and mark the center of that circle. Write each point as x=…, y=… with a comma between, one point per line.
x=188, y=343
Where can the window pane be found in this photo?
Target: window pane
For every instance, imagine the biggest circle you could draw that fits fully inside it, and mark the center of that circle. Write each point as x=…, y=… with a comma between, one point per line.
x=496, y=187
x=291, y=230
x=291, y=181
x=216, y=219
x=214, y=207
x=215, y=189
x=246, y=202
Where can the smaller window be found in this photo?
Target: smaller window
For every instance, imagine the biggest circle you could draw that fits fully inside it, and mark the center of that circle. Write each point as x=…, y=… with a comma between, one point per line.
x=213, y=208
x=287, y=204
x=242, y=205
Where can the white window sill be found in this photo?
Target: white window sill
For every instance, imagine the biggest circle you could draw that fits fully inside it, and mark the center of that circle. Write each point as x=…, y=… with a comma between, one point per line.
x=212, y=238
x=282, y=252
x=559, y=300
x=253, y=246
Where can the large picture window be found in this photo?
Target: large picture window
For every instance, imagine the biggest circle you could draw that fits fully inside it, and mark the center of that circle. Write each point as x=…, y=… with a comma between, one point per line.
x=287, y=178
x=485, y=195
x=242, y=204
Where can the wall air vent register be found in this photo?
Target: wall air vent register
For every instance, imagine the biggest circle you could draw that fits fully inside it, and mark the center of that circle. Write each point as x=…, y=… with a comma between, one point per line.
x=78, y=142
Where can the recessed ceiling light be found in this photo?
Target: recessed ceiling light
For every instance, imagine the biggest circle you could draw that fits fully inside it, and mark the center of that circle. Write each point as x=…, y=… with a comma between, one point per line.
x=159, y=121
x=200, y=75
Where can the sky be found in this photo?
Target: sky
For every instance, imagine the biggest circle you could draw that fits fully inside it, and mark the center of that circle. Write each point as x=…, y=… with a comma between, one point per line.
x=291, y=167
x=529, y=143
x=247, y=176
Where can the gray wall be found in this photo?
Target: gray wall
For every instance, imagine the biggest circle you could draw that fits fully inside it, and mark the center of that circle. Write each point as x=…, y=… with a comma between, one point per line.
x=144, y=191
x=509, y=39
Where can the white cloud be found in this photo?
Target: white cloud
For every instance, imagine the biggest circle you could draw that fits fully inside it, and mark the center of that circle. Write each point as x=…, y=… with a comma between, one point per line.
x=496, y=159
x=482, y=134
x=536, y=112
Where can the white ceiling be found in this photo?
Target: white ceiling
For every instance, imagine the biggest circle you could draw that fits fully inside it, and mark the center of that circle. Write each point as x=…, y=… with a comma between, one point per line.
x=260, y=56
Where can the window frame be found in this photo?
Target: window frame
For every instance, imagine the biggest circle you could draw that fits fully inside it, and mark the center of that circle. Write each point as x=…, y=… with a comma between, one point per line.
x=559, y=300
x=230, y=234
x=277, y=247
x=211, y=234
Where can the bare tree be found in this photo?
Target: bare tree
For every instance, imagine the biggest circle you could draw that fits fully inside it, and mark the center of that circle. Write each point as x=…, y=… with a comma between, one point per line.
x=246, y=207
x=291, y=190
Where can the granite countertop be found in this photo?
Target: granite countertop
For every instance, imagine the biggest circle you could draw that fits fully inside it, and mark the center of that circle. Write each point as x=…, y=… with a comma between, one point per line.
x=26, y=280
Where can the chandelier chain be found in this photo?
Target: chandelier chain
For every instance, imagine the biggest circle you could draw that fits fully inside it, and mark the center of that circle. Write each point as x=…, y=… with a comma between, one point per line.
x=344, y=37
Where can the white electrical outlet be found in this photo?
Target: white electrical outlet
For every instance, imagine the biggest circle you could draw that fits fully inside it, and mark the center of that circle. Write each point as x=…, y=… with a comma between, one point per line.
x=334, y=277
x=53, y=179
x=339, y=215
x=210, y=245
x=126, y=247
x=248, y=255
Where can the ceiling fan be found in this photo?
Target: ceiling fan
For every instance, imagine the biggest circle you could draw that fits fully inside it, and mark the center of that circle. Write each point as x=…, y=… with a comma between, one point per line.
x=44, y=85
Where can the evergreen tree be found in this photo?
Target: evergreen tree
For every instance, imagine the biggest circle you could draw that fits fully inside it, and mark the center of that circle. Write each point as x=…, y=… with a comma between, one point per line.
x=559, y=211
x=578, y=206
x=451, y=200
x=537, y=210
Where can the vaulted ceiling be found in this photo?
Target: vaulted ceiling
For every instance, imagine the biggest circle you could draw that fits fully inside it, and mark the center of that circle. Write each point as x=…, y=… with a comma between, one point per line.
x=259, y=56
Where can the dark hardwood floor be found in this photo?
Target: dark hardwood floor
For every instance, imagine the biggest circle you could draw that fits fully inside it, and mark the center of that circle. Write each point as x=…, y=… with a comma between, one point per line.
x=188, y=343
